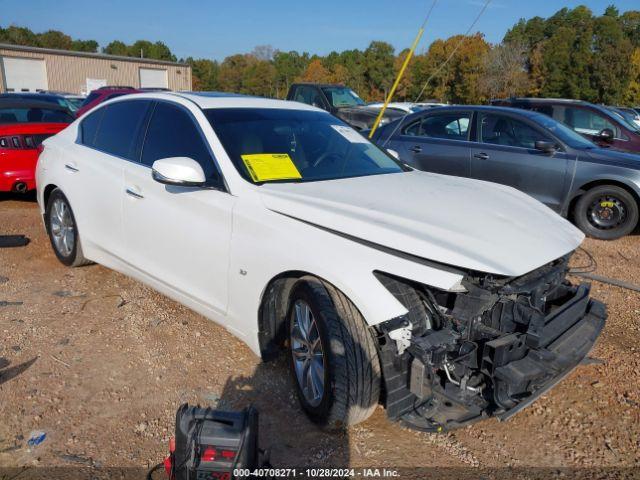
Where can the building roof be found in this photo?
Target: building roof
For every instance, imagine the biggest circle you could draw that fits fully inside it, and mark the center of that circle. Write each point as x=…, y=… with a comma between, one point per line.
x=101, y=56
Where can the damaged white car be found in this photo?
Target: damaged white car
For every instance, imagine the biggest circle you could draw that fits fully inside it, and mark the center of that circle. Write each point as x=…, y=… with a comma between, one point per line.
x=442, y=298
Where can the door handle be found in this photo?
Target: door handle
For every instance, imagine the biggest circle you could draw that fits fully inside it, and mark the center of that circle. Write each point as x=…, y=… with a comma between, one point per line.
x=481, y=156
x=416, y=149
x=131, y=192
x=71, y=168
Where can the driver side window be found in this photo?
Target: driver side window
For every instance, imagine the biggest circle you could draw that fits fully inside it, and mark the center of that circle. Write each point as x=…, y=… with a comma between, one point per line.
x=507, y=131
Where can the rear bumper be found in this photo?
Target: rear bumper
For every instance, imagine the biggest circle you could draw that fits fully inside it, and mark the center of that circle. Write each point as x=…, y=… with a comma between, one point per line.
x=18, y=168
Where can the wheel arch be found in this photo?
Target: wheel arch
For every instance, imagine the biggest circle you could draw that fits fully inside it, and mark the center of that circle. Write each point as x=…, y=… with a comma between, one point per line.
x=273, y=307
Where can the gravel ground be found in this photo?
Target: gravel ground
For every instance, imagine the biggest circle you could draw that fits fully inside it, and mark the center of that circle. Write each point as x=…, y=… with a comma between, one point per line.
x=100, y=363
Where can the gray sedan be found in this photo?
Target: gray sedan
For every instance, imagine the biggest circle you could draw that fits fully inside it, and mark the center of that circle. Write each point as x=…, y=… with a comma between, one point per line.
x=598, y=188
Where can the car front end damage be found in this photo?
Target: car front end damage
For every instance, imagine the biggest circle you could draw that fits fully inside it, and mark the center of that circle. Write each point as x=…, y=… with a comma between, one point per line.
x=456, y=358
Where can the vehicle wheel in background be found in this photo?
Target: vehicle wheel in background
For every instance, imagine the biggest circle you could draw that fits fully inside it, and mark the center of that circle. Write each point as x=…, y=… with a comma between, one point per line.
x=606, y=212
x=63, y=231
x=333, y=357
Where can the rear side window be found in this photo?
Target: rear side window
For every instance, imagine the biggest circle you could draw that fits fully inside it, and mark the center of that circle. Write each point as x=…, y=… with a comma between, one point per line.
x=89, y=128
x=173, y=133
x=451, y=126
x=120, y=127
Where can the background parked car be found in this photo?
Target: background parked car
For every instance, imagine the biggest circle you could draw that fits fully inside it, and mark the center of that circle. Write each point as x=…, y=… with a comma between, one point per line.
x=96, y=97
x=340, y=101
x=24, y=125
x=629, y=114
x=595, y=122
x=52, y=98
x=74, y=101
x=406, y=107
x=597, y=188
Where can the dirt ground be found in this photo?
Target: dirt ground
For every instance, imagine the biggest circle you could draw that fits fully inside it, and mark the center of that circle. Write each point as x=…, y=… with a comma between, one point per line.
x=101, y=362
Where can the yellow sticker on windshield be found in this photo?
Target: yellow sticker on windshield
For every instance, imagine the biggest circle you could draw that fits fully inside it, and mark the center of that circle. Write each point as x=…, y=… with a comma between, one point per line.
x=270, y=166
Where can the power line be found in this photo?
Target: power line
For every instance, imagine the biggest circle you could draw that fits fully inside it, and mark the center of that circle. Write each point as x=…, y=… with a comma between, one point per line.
x=473, y=24
x=433, y=4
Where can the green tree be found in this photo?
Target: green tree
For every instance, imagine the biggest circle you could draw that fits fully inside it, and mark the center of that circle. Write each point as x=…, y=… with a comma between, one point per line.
x=379, y=62
x=288, y=67
x=116, y=47
x=204, y=74
x=611, y=64
x=84, y=46
x=55, y=39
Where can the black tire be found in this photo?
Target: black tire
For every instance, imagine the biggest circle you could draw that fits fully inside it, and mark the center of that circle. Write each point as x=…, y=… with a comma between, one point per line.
x=606, y=212
x=351, y=389
x=73, y=257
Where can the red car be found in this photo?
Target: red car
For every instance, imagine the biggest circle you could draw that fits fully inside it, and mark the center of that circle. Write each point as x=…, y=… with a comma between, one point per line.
x=24, y=124
x=103, y=94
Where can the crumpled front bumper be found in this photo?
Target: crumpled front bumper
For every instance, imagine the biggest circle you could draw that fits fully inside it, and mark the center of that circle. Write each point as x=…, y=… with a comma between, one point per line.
x=560, y=355
x=520, y=367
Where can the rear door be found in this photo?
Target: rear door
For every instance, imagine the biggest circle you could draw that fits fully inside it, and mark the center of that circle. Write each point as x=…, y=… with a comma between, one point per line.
x=178, y=236
x=506, y=154
x=437, y=142
x=107, y=141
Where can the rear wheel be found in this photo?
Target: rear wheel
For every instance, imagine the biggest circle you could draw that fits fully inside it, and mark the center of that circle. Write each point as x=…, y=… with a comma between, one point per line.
x=606, y=212
x=333, y=356
x=63, y=231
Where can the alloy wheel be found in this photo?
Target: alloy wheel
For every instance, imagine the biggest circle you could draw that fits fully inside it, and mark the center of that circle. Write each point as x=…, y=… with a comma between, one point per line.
x=62, y=228
x=308, y=354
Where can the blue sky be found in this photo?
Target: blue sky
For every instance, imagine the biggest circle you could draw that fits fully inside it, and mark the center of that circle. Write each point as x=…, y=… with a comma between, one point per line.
x=217, y=28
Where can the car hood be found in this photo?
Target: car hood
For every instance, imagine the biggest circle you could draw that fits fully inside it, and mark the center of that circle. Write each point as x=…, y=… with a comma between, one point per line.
x=460, y=222
x=614, y=157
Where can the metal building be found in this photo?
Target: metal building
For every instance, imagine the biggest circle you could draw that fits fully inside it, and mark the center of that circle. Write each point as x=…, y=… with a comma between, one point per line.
x=29, y=69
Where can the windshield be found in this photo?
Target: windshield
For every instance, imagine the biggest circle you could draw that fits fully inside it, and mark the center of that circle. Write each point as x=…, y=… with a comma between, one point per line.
x=269, y=145
x=342, y=97
x=33, y=115
x=564, y=133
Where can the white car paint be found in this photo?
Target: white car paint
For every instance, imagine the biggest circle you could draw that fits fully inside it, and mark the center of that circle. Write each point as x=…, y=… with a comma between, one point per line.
x=407, y=107
x=217, y=251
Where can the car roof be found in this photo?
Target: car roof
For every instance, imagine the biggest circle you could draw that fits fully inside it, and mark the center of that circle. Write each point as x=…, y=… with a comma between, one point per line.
x=481, y=108
x=22, y=102
x=540, y=100
x=206, y=100
x=340, y=85
x=43, y=96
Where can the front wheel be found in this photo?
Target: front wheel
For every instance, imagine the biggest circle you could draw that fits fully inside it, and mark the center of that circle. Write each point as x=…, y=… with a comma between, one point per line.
x=606, y=212
x=333, y=356
x=63, y=231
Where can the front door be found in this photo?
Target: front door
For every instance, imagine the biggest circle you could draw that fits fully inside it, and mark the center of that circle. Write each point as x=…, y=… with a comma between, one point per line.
x=178, y=236
x=506, y=154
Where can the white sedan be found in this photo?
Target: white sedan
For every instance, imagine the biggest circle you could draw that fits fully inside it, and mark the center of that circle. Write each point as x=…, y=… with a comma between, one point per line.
x=442, y=298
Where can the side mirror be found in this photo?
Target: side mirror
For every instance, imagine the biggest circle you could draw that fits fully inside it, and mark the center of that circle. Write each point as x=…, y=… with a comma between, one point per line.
x=180, y=171
x=606, y=135
x=544, y=146
x=393, y=153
